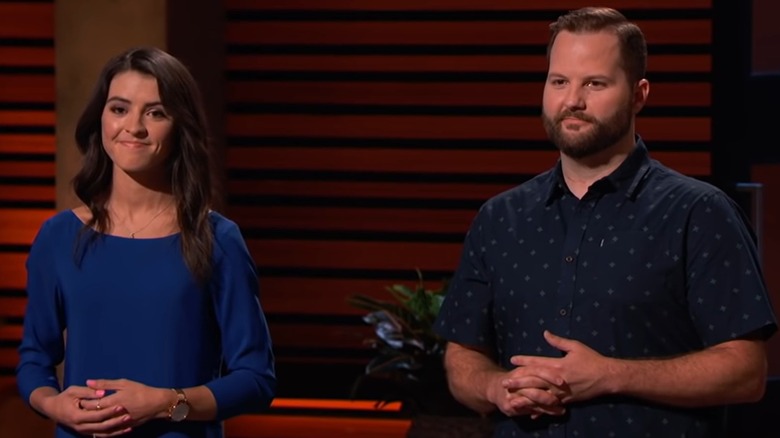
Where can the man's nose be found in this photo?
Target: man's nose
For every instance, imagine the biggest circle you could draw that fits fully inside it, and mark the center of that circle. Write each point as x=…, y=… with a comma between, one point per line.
x=574, y=99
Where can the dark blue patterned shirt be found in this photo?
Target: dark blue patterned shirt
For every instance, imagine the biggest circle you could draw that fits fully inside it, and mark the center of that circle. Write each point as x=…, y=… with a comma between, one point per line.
x=649, y=263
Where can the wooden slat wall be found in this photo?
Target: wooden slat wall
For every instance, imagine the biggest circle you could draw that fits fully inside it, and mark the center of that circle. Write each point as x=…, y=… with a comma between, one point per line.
x=364, y=135
x=27, y=149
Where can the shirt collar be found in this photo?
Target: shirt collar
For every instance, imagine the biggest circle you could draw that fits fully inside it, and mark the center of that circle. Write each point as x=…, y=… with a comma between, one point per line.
x=626, y=177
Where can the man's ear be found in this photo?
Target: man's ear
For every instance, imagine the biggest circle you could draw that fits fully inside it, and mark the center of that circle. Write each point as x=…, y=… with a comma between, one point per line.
x=641, y=90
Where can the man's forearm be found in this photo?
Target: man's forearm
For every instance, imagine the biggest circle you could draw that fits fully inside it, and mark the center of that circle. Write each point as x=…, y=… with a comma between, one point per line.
x=732, y=372
x=470, y=373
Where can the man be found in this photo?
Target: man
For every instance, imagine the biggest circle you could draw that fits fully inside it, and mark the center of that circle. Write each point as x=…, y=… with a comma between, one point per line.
x=610, y=295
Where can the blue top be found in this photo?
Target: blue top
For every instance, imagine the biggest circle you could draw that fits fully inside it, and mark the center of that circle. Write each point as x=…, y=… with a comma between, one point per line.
x=649, y=263
x=133, y=310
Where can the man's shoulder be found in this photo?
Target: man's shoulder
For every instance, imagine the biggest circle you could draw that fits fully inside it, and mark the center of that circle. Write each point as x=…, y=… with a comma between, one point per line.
x=663, y=180
x=528, y=193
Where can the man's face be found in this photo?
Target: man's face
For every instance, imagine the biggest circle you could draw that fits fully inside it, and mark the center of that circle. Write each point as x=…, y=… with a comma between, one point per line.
x=588, y=104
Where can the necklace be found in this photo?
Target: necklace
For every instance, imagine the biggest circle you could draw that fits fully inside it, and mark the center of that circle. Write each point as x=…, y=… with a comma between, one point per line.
x=133, y=233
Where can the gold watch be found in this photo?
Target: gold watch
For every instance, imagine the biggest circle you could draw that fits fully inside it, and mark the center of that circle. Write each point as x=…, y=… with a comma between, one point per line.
x=180, y=410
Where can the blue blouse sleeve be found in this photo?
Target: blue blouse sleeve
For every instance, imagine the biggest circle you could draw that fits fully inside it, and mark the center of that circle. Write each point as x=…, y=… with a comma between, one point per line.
x=249, y=384
x=42, y=347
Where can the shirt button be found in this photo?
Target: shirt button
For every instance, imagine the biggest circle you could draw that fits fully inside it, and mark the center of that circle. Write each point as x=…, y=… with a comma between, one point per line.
x=562, y=312
x=568, y=259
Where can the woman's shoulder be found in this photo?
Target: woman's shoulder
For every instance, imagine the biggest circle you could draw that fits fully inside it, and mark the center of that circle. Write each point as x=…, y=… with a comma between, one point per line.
x=65, y=219
x=61, y=226
x=228, y=237
x=222, y=225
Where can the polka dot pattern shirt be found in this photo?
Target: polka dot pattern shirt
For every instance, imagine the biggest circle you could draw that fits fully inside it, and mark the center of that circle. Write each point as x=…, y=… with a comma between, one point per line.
x=649, y=263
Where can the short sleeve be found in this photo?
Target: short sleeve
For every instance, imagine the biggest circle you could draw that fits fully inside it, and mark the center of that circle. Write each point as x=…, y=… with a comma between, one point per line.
x=727, y=295
x=466, y=313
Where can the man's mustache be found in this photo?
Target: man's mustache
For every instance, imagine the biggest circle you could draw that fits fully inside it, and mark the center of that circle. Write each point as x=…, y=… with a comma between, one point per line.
x=575, y=115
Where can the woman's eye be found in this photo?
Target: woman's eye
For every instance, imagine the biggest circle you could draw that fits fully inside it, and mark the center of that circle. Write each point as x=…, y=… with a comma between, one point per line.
x=158, y=114
x=117, y=110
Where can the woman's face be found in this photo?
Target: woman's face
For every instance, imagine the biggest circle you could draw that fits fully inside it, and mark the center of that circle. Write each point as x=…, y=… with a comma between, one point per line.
x=136, y=128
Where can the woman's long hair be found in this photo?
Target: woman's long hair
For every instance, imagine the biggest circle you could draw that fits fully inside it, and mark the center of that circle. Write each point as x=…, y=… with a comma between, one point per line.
x=189, y=163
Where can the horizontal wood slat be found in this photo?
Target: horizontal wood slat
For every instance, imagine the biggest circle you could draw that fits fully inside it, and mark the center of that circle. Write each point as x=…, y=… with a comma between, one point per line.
x=417, y=220
x=27, y=88
x=443, y=93
x=391, y=160
x=10, y=333
x=431, y=161
x=696, y=164
x=437, y=63
x=19, y=226
x=448, y=5
x=688, y=94
x=27, y=169
x=19, y=19
x=27, y=118
x=9, y=357
x=27, y=143
x=26, y=56
x=442, y=127
x=404, y=256
x=325, y=296
x=12, y=272
x=359, y=189
x=12, y=307
x=27, y=193
x=691, y=31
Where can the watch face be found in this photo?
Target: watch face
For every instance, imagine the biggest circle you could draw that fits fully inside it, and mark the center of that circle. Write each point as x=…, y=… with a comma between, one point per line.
x=180, y=412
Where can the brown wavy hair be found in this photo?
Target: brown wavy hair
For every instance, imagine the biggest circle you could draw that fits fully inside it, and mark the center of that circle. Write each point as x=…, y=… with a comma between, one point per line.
x=189, y=163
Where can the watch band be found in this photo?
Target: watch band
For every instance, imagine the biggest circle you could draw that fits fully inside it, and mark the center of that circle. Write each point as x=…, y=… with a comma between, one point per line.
x=181, y=409
x=181, y=396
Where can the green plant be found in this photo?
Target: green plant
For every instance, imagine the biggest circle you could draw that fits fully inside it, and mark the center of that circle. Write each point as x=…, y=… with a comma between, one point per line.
x=408, y=364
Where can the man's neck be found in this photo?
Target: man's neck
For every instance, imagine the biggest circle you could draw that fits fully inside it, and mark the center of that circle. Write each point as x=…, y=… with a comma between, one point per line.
x=581, y=173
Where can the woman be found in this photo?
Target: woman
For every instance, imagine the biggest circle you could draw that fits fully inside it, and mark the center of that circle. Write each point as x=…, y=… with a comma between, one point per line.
x=156, y=293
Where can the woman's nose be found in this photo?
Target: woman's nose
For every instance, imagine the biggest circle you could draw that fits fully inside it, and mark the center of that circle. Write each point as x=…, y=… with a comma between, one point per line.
x=134, y=124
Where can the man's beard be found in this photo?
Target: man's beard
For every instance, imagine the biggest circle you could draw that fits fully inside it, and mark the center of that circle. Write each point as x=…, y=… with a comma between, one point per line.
x=602, y=134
